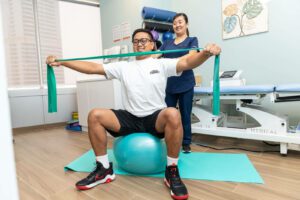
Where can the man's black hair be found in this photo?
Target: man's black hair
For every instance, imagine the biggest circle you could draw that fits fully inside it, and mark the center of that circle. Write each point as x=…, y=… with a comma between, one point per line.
x=144, y=31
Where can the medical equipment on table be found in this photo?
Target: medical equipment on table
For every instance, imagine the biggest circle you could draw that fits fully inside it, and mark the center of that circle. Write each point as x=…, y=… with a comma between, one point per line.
x=268, y=127
x=231, y=78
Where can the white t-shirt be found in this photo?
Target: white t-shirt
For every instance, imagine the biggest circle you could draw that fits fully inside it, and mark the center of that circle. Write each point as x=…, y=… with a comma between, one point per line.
x=143, y=83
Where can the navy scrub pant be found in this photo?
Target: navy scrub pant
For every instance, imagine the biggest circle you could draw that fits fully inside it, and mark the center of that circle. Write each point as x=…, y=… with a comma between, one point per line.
x=185, y=101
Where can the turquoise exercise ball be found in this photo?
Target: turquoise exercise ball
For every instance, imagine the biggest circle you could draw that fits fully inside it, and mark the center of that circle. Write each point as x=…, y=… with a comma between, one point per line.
x=167, y=36
x=140, y=153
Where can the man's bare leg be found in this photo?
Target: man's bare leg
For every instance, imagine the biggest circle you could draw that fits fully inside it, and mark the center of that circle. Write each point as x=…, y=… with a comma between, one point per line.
x=169, y=122
x=98, y=120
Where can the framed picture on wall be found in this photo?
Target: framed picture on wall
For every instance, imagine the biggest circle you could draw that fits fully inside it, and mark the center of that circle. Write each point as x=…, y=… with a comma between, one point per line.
x=243, y=17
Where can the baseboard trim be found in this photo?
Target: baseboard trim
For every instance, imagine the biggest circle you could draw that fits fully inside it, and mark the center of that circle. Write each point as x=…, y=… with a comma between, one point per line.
x=38, y=127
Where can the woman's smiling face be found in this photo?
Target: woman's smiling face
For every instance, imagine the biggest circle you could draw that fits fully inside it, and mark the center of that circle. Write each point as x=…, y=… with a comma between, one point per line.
x=180, y=26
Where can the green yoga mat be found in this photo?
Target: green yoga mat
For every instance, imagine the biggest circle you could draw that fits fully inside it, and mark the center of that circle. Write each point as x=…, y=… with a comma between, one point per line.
x=52, y=98
x=196, y=165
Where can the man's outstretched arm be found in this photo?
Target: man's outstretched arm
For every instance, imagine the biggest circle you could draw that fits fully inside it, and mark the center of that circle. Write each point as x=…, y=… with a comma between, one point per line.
x=192, y=61
x=80, y=66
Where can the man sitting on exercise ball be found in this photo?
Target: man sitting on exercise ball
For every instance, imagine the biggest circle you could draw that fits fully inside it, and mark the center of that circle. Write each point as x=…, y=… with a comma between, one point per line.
x=143, y=83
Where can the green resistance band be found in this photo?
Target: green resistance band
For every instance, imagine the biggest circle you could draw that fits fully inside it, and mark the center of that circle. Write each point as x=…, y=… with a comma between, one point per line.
x=216, y=87
x=51, y=83
x=52, y=97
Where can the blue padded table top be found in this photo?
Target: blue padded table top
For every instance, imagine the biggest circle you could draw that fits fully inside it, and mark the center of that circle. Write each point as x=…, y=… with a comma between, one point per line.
x=288, y=88
x=237, y=90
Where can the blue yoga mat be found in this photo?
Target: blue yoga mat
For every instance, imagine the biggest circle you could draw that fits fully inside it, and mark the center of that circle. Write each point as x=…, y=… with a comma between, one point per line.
x=196, y=165
x=158, y=14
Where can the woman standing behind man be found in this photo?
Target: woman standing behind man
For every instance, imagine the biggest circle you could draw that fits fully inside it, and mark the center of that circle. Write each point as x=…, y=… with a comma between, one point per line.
x=181, y=88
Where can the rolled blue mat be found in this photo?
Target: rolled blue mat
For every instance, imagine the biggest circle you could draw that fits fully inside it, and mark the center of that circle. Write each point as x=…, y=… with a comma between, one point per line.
x=158, y=14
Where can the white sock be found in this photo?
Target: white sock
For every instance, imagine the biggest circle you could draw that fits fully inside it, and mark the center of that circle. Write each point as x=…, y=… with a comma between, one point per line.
x=103, y=160
x=172, y=161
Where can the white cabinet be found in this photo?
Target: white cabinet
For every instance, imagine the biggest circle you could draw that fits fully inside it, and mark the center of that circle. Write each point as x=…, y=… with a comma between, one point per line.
x=97, y=93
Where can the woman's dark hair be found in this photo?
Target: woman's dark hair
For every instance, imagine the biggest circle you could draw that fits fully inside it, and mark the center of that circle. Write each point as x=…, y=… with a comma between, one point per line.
x=185, y=19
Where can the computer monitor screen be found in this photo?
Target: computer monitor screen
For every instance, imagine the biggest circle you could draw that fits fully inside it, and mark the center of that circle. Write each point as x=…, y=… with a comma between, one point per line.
x=228, y=74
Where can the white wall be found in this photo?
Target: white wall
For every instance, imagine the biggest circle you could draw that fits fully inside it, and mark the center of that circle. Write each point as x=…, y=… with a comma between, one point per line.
x=8, y=183
x=265, y=58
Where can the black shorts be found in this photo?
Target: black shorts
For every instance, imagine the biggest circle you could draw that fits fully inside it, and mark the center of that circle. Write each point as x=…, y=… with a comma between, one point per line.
x=133, y=124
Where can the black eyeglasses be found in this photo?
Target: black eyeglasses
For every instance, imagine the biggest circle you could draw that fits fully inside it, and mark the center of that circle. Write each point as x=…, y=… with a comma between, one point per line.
x=143, y=41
